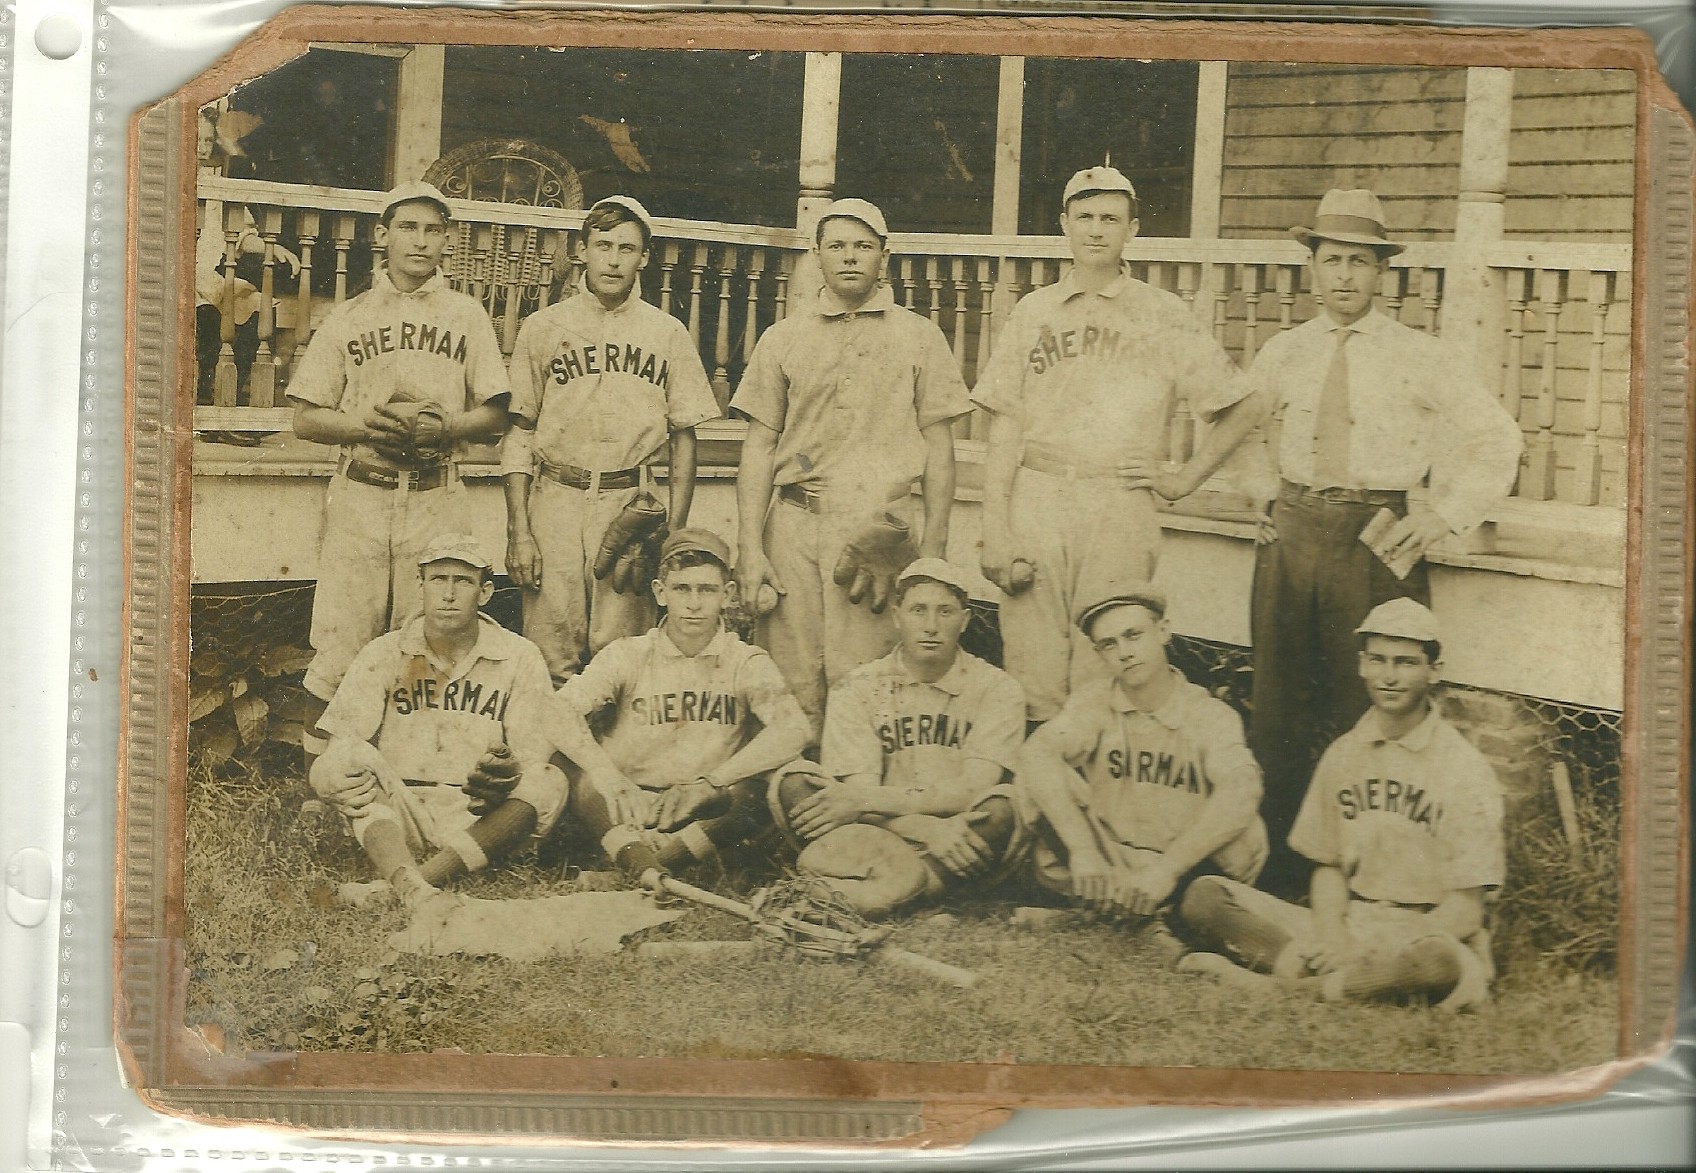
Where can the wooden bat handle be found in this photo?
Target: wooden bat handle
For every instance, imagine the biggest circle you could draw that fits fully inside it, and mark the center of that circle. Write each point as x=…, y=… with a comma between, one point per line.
x=941, y=971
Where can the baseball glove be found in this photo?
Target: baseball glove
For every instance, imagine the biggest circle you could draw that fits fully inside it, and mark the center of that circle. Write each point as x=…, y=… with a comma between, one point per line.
x=491, y=780
x=635, y=526
x=425, y=425
x=878, y=552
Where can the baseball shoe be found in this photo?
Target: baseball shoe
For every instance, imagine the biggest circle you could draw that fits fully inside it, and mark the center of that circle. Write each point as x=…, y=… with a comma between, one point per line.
x=412, y=889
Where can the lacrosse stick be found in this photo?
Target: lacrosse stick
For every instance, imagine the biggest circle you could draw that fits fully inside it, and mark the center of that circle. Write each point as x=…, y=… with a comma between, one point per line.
x=804, y=915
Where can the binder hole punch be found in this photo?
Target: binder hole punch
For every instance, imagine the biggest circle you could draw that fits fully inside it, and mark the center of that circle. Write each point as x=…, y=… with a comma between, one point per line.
x=58, y=36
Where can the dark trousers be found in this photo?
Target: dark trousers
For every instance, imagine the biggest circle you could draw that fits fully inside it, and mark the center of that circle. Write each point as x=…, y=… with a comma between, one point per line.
x=1312, y=588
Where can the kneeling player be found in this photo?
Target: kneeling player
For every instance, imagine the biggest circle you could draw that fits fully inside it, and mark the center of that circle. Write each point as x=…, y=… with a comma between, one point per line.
x=918, y=747
x=436, y=736
x=1141, y=781
x=1404, y=820
x=698, y=719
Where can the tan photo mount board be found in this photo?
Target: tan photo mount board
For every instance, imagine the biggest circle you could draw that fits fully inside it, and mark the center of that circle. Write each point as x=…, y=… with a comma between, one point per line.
x=824, y=1100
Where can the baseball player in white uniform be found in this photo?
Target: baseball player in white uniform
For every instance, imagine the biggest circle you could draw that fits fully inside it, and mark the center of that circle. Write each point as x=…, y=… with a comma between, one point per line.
x=602, y=382
x=698, y=719
x=913, y=792
x=1082, y=382
x=1403, y=822
x=1143, y=780
x=436, y=736
x=399, y=378
x=847, y=403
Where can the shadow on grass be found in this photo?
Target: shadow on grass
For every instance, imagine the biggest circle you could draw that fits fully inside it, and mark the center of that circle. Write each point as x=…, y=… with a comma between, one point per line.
x=279, y=967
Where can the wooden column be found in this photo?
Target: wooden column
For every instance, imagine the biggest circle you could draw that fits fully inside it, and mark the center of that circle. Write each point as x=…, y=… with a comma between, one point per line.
x=821, y=102
x=1207, y=172
x=1009, y=144
x=1474, y=295
x=418, y=112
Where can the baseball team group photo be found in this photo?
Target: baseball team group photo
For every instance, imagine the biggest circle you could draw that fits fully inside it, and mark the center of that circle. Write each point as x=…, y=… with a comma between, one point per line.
x=915, y=557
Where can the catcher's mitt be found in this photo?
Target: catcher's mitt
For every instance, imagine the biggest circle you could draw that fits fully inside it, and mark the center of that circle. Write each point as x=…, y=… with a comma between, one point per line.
x=491, y=780
x=636, y=524
x=638, y=564
x=878, y=552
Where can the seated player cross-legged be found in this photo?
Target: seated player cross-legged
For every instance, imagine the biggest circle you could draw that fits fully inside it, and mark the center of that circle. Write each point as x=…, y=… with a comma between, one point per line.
x=436, y=736
x=1142, y=781
x=698, y=719
x=1404, y=820
x=912, y=794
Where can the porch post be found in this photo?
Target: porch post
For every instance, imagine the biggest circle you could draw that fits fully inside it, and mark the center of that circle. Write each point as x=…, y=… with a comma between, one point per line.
x=418, y=112
x=1474, y=305
x=1207, y=176
x=1009, y=144
x=821, y=101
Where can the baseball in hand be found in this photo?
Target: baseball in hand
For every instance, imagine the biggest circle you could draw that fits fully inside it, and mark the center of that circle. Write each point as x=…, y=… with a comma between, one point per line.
x=765, y=600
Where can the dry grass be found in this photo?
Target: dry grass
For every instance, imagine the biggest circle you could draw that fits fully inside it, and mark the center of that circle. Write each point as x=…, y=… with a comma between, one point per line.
x=279, y=968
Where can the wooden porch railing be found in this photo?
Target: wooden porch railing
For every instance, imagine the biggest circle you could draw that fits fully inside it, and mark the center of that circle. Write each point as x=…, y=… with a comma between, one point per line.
x=1564, y=334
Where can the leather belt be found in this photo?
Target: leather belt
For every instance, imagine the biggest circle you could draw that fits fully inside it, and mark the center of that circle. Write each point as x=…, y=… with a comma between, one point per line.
x=573, y=477
x=1072, y=471
x=803, y=498
x=1387, y=498
x=415, y=479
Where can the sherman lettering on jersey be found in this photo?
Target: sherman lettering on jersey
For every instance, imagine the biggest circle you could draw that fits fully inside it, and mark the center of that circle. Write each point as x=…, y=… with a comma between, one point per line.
x=429, y=337
x=671, y=708
x=609, y=358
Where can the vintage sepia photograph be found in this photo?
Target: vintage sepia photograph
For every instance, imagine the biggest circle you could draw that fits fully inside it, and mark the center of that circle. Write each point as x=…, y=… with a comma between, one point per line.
x=1038, y=552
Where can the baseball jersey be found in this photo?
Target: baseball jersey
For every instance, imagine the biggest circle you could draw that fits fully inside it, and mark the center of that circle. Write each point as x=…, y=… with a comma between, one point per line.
x=1092, y=377
x=605, y=389
x=1415, y=407
x=434, y=343
x=882, y=720
x=1149, y=774
x=1407, y=820
x=433, y=721
x=677, y=717
x=849, y=392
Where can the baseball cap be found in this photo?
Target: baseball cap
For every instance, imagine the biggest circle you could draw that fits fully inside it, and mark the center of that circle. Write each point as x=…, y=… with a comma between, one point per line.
x=630, y=204
x=1096, y=179
x=458, y=548
x=1401, y=618
x=698, y=540
x=1127, y=594
x=864, y=211
x=417, y=189
x=943, y=572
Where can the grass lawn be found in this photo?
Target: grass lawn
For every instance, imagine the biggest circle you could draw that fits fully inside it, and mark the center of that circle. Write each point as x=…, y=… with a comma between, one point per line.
x=278, y=967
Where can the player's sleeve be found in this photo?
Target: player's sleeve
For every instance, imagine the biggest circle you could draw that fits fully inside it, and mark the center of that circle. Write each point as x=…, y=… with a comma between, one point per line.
x=361, y=699
x=689, y=396
x=767, y=695
x=850, y=744
x=1206, y=376
x=1473, y=825
x=763, y=394
x=485, y=372
x=1229, y=764
x=1001, y=384
x=1475, y=449
x=320, y=376
x=525, y=372
x=601, y=682
x=939, y=392
x=998, y=728
x=526, y=712
x=1315, y=833
x=1073, y=733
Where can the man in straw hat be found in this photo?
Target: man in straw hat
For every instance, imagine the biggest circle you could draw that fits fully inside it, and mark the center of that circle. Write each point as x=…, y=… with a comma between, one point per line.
x=1082, y=383
x=1404, y=823
x=1362, y=409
